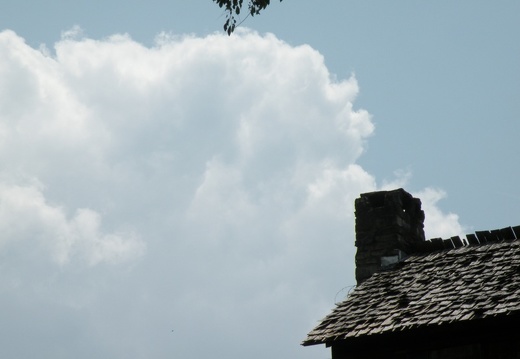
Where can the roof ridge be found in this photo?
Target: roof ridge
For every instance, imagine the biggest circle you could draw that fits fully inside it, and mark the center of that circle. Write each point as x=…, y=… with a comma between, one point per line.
x=476, y=239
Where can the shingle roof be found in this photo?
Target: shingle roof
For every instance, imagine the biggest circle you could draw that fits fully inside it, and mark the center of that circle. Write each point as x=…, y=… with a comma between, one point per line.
x=455, y=285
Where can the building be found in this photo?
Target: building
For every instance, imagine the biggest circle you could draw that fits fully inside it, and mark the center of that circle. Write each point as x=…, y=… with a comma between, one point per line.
x=451, y=298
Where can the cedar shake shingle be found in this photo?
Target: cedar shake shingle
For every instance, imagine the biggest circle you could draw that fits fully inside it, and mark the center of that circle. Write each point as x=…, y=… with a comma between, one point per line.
x=464, y=284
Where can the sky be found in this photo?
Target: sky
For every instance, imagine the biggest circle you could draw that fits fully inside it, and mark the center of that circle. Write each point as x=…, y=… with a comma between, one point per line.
x=167, y=191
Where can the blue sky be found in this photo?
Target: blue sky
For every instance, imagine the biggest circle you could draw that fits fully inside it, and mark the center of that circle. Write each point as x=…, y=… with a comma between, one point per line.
x=158, y=175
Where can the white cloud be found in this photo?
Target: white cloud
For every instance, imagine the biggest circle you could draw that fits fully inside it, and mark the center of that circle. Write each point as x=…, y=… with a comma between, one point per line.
x=232, y=160
x=25, y=215
x=73, y=33
x=437, y=223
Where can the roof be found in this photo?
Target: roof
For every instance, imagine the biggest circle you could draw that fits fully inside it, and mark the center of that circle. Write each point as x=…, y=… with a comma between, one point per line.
x=459, y=285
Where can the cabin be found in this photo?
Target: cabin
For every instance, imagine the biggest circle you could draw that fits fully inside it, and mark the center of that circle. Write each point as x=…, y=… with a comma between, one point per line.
x=425, y=299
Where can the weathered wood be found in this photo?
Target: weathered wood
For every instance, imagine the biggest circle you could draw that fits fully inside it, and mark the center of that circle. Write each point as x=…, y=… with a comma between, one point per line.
x=507, y=233
x=472, y=239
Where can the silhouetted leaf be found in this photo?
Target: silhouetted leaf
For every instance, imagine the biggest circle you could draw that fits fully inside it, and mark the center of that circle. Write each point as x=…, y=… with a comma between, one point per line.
x=234, y=7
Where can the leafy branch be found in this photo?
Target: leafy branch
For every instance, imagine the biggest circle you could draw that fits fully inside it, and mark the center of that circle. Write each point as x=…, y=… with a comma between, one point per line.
x=233, y=8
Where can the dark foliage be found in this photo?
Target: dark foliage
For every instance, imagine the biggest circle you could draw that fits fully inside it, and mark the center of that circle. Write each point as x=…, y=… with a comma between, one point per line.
x=233, y=8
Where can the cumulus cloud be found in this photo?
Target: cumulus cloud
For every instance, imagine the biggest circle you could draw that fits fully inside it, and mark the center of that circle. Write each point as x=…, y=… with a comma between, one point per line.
x=437, y=223
x=26, y=216
x=204, y=185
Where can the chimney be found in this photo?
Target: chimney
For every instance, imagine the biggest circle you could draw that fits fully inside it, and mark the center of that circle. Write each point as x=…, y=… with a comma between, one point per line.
x=389, y=225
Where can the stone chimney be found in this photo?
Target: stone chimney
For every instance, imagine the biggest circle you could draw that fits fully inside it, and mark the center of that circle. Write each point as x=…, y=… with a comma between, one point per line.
x=389, y=225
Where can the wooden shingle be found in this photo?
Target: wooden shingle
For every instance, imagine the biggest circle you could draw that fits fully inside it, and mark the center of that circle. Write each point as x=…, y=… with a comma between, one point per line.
x=448, y=286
